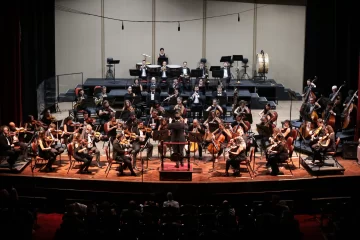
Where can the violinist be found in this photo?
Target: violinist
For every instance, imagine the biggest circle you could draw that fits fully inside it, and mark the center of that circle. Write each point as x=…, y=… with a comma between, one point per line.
x=56, y=147
x=88, y=136
x=46, y=151
x=87, y=120
x=215, y=107
x=179, y=106
x=237, y=149
x=121, y=147
x=286, y=129
x=81, y=103
x=177, y=127
x=277, y=152
x=197, y=128
x=111, y=127
x=7, y=148
x=31, y=125
x=18, y=136
x=160, y=110
x=326, y=143
x=47, y=118
x=127, y=109
x=104, y=112
x=141, y=140
x=317, y=132
x=70, y=128
x=154, y=120
x=81, y=153
x=220, y=94
x=130, y=95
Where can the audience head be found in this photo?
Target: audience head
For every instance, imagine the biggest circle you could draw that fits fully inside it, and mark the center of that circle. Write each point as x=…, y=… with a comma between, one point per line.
x=169, y=196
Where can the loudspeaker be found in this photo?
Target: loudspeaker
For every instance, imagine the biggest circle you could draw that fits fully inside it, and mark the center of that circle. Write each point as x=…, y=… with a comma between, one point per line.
x=349, y=150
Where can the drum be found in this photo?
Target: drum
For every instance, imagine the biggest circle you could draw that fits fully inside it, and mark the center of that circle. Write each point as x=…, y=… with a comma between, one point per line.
x=138, y=65
x=154, y=68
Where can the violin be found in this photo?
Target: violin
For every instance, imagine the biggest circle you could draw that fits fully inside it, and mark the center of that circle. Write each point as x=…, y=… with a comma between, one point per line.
x=90, y=120
x=146, y=129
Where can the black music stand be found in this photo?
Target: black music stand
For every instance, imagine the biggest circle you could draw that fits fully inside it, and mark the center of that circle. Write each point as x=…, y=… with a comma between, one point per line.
x=134, y=72
x=196, y=138
x=161, y=136
x=175, y=72
x=136, y=90
x=113, y=62
x=162, y=59
x=218, y=74
x=196, y=73
x=292, y=96
x=225, y=59
x=215, y=68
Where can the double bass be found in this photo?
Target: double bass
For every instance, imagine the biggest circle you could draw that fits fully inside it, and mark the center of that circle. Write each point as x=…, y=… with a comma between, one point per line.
x=347, y=111
x=216, y=141
x=307, y=95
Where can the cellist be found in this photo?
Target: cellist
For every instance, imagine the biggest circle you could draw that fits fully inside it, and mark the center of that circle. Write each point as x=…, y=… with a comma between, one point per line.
x=218, y=137
x=197, y=128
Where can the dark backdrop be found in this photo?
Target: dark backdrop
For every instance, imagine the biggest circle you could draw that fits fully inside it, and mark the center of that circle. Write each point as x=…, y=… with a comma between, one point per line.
x=28, y=55
x=332, y=44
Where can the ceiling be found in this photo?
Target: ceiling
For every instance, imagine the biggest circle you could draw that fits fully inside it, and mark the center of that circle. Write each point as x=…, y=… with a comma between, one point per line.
x=279, y=2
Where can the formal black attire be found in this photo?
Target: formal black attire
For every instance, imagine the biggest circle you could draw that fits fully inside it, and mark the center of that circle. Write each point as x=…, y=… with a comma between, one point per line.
x=92, y=146
x=205, y=73
x=222, y=94
x=163, y=83
x=49, y=155
x=56, y=148
x=68, y=137
x=273, y=159
x=177, y=135
x=200, y=130
x=81, y=105
x=84, y=157
x=119, y=156
x=234, y=160
x=104, y=118
x=197, y=103
x=228, y=77
x=137, y=145
x=318, y=149
x=143, y=72
x=31, y=128
x=151, y=97
x=185, y=81
x=155, y=123
x=7, y=150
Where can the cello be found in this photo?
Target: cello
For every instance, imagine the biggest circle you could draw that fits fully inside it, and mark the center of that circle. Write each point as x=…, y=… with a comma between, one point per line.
x=347, y=111
x=216, y=141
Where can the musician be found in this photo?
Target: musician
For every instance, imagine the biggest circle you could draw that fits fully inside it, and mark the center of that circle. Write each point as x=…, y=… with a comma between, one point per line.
x=334, y=109
x=31, y=125
x=326, y=143
x=212, y=118
x=137, y=84
x=81, y=153
x=185, y=76
x=160, y=110
x=69, y=129
x=216, y=107
x=127, y=109
x=152, y=84
x=286, y=129
x=196, y=101
x=236, y=154
x=141, y=140
x=46, y=151
x=80, y=102
x=310, y=108
x=143, y=70
x=154, y=120
x=152, y=96
x=129, y=95
x=308, y=83
x=99, y=98
x=172, y=99
x=242, y=108
x=349, y=97
x=18, y=138
x=334, y=89
x=111, y=127
x=226, y=73
x=215, y=135
x=317, y=132
x=239, y=126
x=88, y=135
x=47, y=118
x=278, y=152
x=161, y=55
x=56, y=146
x=163, y=126
x=86, y=120
x=201, y=85
x=220, y=94
x=176, y=85
x=177, y=127
x=164, y=70
x=7, y=148
x=179, y=106
x=205, y=71
x=120, y=149
x=105, y=112
x=197, y=128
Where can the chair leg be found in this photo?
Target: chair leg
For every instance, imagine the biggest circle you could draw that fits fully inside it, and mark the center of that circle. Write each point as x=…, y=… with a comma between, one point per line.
x=249, y=168
x=70, y=164
x=109, y=167
x=289, y=168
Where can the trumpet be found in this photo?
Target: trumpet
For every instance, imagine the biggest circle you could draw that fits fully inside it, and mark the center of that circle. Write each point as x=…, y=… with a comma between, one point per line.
x=163, y=68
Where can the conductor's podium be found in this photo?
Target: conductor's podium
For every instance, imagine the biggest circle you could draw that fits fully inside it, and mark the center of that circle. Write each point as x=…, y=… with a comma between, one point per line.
x=168, y=171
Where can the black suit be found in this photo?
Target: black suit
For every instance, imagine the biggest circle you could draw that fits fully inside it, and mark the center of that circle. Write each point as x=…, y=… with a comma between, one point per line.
x=141, y=73
x=137, y=144
x=185, y=80
x=205, y=72
x=119, y=156
x=228, y=78
x=151, y=102
x=200, y=130
x=6, y=150
x=223, y=94
x=177, y=135
x=196, y=107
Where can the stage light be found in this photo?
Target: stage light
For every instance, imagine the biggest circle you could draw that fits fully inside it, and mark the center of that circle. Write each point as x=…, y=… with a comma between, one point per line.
x=122, y=25
x=179, y=27
x=238, y=17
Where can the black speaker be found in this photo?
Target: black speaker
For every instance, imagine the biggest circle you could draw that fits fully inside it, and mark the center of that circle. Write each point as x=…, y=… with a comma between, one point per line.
x=349, y=150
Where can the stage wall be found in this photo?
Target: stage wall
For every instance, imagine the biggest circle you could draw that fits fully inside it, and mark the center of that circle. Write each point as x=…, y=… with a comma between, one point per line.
x=81, y=44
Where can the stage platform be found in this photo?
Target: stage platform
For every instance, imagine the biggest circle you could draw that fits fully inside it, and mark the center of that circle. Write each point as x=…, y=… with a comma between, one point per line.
x=204, y=183
x=256, y=93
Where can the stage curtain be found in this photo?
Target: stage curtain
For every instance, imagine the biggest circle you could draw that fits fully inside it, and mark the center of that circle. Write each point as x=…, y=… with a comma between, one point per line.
x=11, y=89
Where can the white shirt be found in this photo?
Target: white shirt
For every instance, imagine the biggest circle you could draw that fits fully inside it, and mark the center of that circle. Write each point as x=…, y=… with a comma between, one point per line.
x=164, y=74
x=225, y=73
x=184, y=71
x=152, y=96
x=143, y=72
x=7, y=139
x=196, y=99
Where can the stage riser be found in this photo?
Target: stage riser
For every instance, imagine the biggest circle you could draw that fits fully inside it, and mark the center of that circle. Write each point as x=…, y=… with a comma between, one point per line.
x=175, y=176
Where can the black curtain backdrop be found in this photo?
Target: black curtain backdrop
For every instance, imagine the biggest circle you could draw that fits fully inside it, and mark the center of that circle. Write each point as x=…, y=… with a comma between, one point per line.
x=332, y=44
x=28, y=56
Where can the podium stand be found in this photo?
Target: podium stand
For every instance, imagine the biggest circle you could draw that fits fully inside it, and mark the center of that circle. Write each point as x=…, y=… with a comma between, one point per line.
x=113, y=62
x=194, y=138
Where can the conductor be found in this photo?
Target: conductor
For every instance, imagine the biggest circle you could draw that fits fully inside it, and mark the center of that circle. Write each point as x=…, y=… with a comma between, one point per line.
x=178, y=126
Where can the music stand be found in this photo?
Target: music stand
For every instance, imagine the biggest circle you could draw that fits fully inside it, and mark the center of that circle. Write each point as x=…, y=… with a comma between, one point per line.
x=175, y=72
x=217, y=73
x=292, y=96
x=134, y=72
x=162, y=59
x=161, y=136
x=237, y=58
x=196, y=138
x=113, y=62
x=225, y=59
x=169, y=113
x=196, y=73
x=136, y=90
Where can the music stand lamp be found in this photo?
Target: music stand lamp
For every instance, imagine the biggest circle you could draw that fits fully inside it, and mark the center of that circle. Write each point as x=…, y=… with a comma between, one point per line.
x=113, y=62
x=195, y=138
x=237, y=58
x=245, y=61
